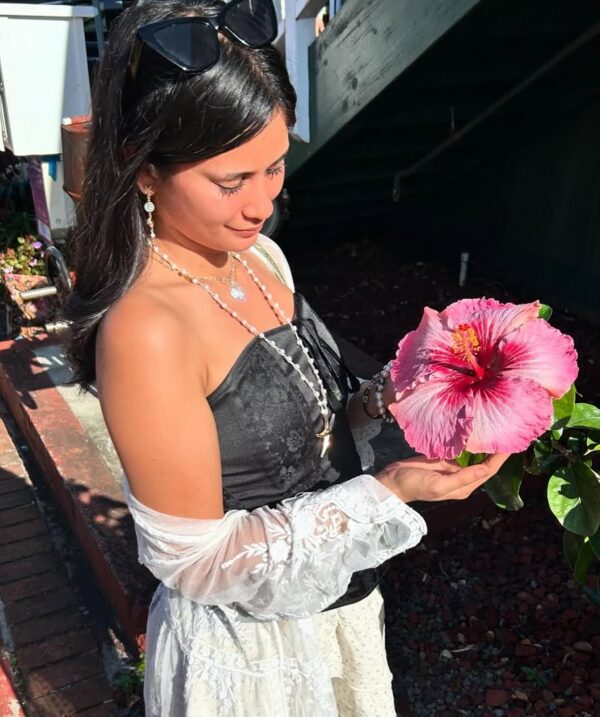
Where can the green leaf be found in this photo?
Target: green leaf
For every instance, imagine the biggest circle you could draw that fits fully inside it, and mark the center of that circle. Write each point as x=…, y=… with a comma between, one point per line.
x=593, y=439
x=470, y=459
x=576, y=443
x=585, y=416
x=571, y=546
x=592, y=594
x=595, y=543
x=503, y=488
x=574, y=498
x=585, y=558
x=463, y=459
x=541, y=460
x=563, y=408
x=545, y=312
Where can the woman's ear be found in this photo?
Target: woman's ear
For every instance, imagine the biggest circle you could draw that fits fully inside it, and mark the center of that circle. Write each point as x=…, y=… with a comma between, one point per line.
x=147, y=178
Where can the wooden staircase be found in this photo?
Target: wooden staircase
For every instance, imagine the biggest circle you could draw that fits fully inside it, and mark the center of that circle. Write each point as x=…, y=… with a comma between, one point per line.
x=406, y=97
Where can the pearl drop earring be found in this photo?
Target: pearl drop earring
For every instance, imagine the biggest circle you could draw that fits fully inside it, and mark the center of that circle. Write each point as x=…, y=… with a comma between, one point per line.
x=149, y=208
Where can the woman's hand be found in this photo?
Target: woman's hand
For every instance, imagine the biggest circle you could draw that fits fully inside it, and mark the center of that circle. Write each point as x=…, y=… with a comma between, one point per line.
x=420, y=478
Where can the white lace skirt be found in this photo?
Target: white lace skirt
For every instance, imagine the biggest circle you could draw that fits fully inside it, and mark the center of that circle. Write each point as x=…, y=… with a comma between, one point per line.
x=215, y=662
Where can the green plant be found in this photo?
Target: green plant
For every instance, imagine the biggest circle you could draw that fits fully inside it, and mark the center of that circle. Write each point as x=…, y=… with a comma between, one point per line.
x=25, y=258
x=130, y=680
x=533, y=676
x=567, y=456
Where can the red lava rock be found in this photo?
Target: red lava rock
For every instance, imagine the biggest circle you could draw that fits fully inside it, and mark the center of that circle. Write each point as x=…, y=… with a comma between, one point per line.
x=515, y=712
x=526, y=650
x=495, y=697
x=509, y=636
x=581, y=659
x=594, y=692
x=413, y=617
x=547, y=696
x=566, y=679
x=577, y=689
x=567, y=711
x=552, y=551
x=585, y=701
x=463, y=702
x=555, y=632
x=569, y=613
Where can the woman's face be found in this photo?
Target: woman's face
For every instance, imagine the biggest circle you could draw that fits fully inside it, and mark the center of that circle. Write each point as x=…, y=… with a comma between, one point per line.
x=221, y=203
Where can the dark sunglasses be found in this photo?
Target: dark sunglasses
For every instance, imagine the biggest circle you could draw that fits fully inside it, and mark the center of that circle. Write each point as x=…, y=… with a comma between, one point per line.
x=192, y=43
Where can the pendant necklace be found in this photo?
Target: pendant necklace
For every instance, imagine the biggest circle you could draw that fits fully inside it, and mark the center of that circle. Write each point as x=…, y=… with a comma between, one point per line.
x=236, y=290
x=238, y=293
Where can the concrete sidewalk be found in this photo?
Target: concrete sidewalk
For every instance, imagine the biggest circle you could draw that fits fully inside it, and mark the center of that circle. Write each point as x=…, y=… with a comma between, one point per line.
x=49, y=650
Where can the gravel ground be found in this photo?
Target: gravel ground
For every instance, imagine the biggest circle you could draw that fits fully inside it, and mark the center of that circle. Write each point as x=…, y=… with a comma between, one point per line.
x=486, y=621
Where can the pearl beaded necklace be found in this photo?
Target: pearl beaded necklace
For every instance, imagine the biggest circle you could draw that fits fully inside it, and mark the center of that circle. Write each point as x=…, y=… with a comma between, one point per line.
x=320, y=394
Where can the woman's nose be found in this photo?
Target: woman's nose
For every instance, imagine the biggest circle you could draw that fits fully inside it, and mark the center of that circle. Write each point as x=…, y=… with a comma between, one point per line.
x=260, y=205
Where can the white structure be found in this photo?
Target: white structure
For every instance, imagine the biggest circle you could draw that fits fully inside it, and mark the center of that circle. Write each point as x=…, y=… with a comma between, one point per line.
x=43, y=78
x=297, y=31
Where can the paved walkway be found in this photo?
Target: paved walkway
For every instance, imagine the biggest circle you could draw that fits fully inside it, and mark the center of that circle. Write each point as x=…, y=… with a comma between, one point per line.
x=59, y=668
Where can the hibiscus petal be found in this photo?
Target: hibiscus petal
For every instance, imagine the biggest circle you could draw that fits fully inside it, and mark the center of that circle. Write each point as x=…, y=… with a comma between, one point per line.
x=435, y=414
x=418, y=350
x=461, y=312
x=539, y=352
x=490, y=319
x=508, y=414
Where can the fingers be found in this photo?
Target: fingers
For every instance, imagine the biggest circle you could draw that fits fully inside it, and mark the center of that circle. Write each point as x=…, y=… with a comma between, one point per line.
x=495, y=461
x=469, y=479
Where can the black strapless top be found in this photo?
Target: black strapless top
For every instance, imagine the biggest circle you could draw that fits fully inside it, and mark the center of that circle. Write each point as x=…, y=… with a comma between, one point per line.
x=267, y=420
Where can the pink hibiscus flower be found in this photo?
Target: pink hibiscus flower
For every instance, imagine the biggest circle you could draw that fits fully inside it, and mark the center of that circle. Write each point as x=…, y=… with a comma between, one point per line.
x=480, y=376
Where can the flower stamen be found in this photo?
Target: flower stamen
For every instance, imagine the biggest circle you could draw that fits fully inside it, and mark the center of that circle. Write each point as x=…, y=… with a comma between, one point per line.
x=466, y=345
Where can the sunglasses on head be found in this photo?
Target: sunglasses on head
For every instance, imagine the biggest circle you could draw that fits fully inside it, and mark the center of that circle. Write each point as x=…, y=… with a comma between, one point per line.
x=192, y=44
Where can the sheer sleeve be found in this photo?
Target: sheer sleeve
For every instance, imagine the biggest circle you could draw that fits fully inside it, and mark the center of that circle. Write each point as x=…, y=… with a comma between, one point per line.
x=363, y=435
x=291, y=561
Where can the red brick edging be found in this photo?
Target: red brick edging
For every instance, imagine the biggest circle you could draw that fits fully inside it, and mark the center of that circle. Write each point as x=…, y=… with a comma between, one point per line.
x=81, y=482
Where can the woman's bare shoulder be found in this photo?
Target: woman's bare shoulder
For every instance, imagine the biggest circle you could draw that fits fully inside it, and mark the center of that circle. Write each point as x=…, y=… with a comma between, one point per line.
x=141, y=320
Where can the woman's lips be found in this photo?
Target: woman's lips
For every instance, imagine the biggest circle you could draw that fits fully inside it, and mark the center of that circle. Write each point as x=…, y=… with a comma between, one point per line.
x=246, y=233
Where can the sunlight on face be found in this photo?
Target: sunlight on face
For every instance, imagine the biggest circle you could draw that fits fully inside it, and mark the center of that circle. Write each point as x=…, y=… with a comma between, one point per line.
x=221, y=203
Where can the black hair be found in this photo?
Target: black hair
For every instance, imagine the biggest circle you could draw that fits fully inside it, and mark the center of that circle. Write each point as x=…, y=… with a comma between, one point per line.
x=162, y=112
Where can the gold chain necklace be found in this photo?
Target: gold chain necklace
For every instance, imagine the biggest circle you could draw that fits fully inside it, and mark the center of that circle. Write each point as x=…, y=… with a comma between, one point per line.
x=236, y=290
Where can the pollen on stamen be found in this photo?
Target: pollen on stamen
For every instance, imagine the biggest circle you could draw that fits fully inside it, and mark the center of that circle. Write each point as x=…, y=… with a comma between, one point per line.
x=465, y=341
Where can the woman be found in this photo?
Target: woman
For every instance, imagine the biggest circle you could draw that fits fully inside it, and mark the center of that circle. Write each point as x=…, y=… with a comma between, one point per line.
x=225, y=395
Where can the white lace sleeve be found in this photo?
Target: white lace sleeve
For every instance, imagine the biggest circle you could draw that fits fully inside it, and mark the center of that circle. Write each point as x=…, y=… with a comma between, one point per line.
x=287, y=562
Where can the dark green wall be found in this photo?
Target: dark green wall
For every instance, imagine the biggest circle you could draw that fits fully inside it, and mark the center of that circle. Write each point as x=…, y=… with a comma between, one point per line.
x=532, y=215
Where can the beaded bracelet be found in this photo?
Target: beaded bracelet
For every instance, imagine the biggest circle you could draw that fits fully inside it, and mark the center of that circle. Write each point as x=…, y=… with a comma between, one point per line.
x=365, y=398
x=378, y=383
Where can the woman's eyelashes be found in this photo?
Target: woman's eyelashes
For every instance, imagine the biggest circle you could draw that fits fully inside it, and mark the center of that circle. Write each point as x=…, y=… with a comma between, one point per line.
x=271, y=172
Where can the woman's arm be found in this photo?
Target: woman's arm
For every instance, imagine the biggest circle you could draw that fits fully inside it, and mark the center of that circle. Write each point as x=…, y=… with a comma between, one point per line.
x=285, y=562
x=150, y=385
x=355, y=410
